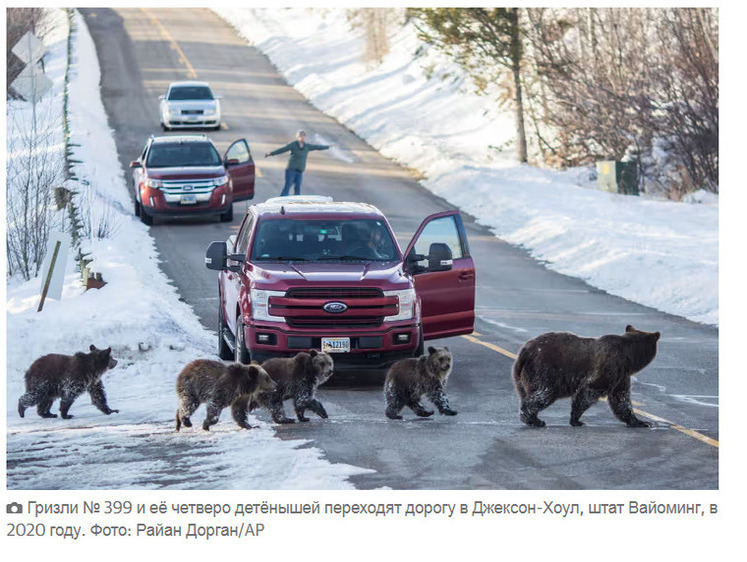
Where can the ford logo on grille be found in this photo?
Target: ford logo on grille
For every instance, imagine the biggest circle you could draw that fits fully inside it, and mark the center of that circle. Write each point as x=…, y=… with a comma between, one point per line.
x=335, y=307
x=188, y=188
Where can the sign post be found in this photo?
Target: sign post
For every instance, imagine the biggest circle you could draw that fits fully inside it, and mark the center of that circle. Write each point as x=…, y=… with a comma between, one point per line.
x=54, y=267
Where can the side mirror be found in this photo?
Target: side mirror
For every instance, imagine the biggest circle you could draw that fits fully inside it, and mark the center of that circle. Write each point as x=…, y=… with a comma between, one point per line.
x=439, y=257
x=216, y=255
x=232, y=162
x=162, y=96
x=136, y=164
x=411, y=262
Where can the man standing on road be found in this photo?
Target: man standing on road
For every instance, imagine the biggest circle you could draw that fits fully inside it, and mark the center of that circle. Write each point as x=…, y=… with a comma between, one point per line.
x=299, y=150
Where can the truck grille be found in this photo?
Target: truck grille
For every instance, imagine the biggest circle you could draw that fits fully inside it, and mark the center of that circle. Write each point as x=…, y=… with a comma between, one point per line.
x=303, y=307
x=334, y=293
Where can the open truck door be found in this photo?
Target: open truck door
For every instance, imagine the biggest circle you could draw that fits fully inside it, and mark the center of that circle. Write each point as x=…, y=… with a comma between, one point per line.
x=443, y=271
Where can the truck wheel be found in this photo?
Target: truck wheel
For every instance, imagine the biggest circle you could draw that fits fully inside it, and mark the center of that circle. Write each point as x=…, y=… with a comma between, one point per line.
x=421, y=345
x=224, y=352
x=241, y=352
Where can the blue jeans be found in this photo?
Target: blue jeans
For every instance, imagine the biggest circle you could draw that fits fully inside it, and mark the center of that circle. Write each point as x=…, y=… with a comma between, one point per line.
x=292, y=177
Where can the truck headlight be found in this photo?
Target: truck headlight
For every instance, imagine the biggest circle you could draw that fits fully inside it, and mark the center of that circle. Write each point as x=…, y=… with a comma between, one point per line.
x=217, y=182
x=261, y=304
x=406, y=300
x=153, y=183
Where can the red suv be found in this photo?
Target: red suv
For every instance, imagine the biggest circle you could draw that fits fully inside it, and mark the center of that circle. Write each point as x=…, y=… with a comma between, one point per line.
x=306, y=272
x=185, y=176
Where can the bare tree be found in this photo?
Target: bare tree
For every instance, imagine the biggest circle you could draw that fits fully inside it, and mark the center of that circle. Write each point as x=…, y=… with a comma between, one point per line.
x=34, y=167
x=630, y=83
x=690, y=94
x=376, y=24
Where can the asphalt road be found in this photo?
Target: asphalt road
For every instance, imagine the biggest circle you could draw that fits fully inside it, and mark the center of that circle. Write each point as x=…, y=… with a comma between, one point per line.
x=485, y=446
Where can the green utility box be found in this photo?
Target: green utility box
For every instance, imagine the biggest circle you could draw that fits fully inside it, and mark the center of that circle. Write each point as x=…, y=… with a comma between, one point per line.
x=618, y=177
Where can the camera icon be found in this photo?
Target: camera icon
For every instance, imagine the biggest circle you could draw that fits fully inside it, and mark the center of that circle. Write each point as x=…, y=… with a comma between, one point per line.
x=14, y=507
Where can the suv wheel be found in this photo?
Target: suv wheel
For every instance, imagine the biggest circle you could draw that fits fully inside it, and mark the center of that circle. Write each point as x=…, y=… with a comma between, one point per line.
x=227, y=216
x=224, y=352
x=145, y=218
x=241, y=352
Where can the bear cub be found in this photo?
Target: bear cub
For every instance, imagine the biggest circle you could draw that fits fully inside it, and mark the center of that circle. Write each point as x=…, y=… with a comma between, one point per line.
x=66, y=377
x=562, y=365
x=297, y=378
x=219, y=385
x=408, y=380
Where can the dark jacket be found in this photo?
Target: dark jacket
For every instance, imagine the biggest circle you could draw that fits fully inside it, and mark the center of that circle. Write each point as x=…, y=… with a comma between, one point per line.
x=297, y=160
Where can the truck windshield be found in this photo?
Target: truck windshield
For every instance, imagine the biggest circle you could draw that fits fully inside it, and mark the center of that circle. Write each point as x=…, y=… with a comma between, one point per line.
x=164, y=155
x=338, y=240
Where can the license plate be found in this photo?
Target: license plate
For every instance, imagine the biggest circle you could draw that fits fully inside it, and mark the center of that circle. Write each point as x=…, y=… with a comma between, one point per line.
x=336, y=345
x=188, y=199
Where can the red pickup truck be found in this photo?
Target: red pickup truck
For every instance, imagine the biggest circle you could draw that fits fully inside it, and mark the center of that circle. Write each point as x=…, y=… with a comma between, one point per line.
x=306, y=272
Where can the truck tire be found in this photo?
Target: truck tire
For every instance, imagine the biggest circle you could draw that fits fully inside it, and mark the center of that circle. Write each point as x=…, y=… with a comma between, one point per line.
x=224, y=351
x=241, y=354
x=420, y=349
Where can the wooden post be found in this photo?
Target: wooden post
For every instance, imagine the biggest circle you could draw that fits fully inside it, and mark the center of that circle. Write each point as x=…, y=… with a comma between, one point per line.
x=49, y=275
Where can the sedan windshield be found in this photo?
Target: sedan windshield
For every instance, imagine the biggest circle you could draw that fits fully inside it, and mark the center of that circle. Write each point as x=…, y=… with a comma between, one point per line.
x=179, y=93
x=182, y=154
x=339, y=240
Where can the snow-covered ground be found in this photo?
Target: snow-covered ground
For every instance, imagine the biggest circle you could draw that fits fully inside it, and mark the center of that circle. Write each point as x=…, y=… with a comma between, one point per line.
x=152, y=333
x=658, y=253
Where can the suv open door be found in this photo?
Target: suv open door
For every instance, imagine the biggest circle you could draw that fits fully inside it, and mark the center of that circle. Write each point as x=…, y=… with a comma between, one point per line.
x=240, y=166
x=438, y=258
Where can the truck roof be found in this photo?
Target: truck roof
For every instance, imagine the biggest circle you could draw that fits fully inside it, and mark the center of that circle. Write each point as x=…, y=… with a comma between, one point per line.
x=313, y=205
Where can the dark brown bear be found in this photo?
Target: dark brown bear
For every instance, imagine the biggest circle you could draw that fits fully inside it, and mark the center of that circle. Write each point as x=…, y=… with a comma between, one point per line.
x=298, y=378
x=408, y=380
x=219, y=385
x=66, y=377
x=561, y=365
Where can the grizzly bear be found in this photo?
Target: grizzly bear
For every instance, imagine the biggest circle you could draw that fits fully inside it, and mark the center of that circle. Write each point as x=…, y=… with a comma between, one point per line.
x=561, y=365
x=408, y=380
x=66, y=377
x=219, y=385
x=297, y=377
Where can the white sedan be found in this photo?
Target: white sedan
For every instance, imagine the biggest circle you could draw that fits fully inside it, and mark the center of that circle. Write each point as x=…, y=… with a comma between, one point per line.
x=189, y=105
